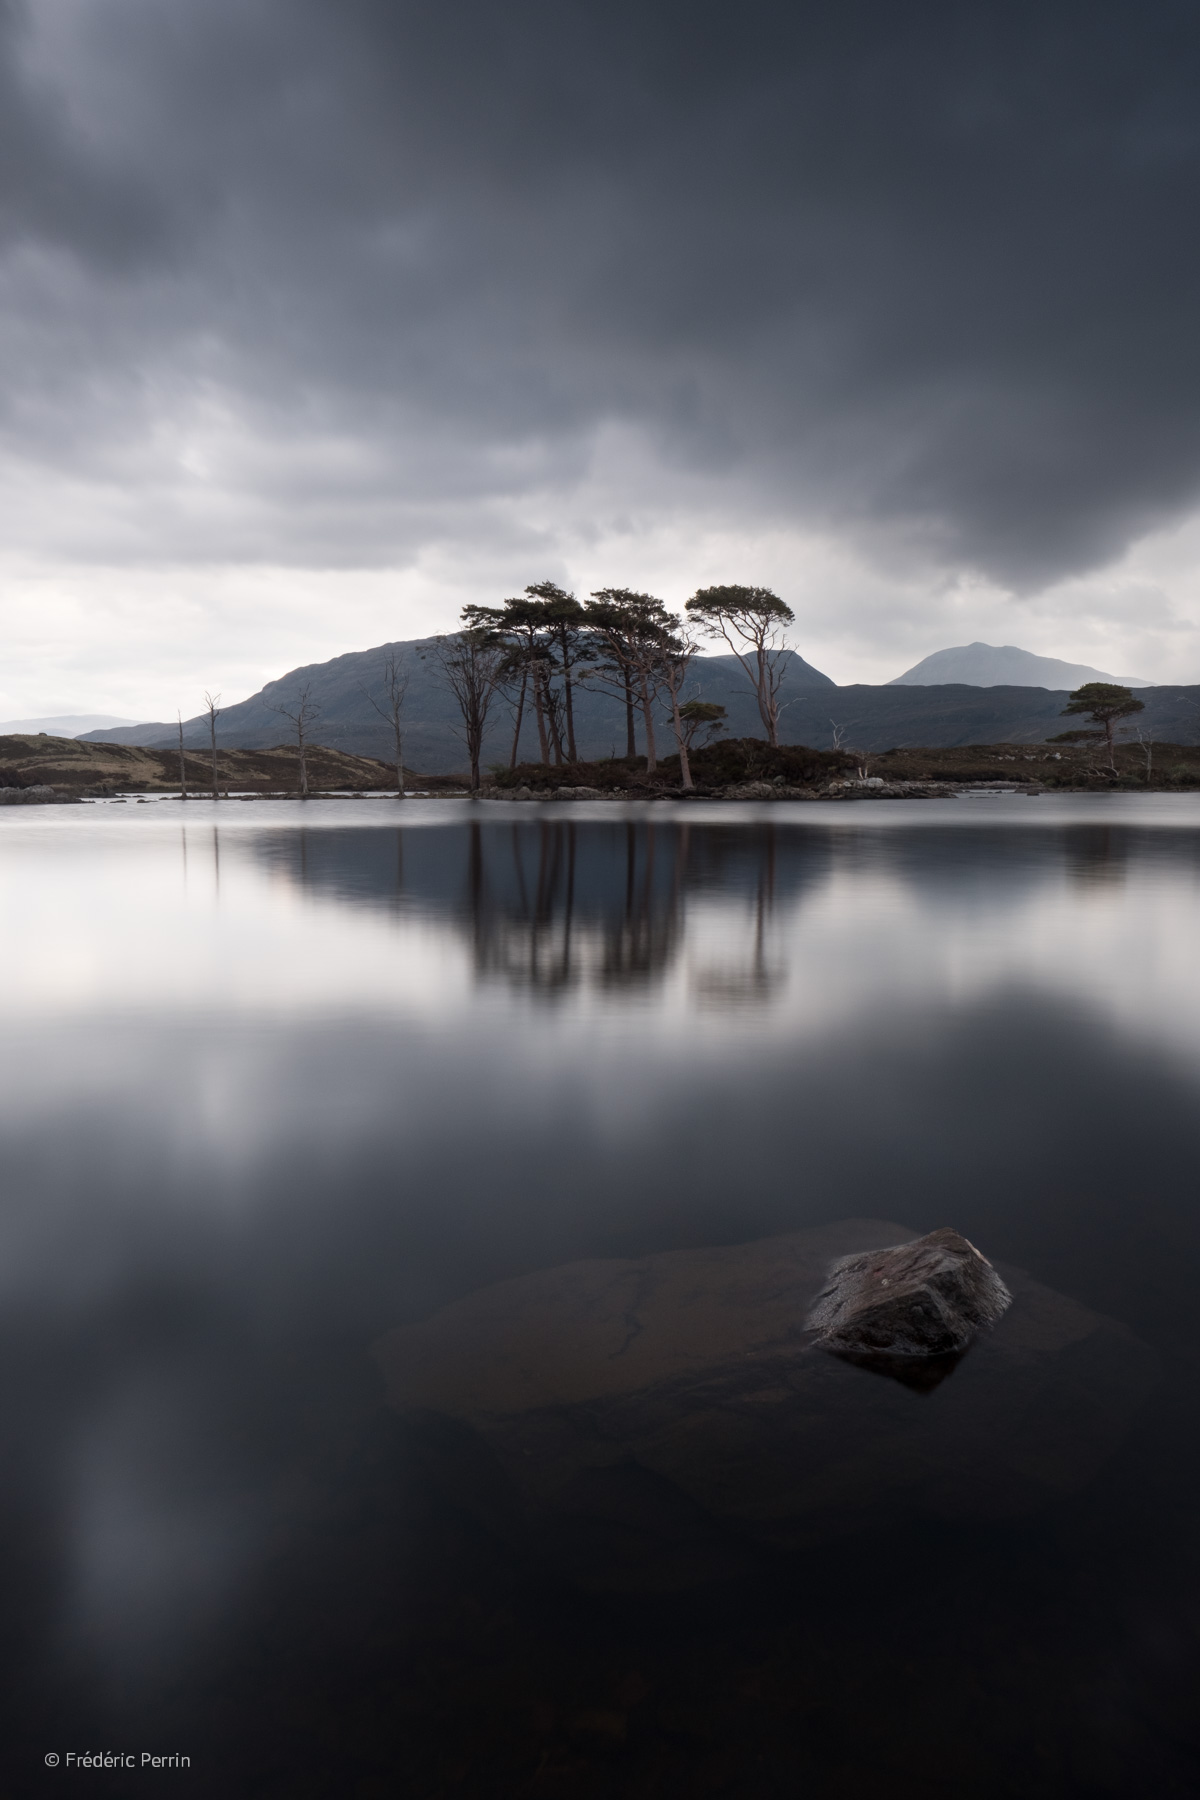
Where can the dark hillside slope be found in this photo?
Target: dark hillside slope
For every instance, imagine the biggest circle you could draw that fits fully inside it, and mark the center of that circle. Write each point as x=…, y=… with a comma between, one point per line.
x=874, y=718
x=348, y=722
x=884, y=718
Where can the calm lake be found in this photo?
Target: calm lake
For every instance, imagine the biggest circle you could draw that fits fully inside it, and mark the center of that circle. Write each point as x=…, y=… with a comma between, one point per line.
x=279, y=1078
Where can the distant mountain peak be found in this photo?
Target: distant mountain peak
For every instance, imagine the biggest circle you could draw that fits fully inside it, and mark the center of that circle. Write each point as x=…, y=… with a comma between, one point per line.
x=62, y=724
x=1004, y=665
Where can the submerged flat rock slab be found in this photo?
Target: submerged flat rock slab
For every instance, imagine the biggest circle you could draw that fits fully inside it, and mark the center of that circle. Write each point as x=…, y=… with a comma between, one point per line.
x=927, y=1298
x=660, y=1423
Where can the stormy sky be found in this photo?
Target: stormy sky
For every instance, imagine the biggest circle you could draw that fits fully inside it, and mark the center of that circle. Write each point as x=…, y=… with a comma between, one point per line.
x=321, y=317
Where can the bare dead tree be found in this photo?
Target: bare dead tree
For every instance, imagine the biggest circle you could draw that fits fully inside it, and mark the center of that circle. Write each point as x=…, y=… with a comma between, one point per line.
x=472, y=663
x=301, y=714
x=213, y=703
x=183, y=793
x=396, y=677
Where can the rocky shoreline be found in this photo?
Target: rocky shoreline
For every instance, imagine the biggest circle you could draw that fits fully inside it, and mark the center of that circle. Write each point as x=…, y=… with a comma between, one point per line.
x=751, y=790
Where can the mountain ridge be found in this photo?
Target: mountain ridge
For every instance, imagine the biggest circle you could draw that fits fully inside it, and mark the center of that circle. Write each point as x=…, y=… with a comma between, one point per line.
x=815, y=712
x=348, y=721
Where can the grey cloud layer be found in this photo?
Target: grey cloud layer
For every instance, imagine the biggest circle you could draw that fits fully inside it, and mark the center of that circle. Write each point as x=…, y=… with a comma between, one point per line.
x=928, y=268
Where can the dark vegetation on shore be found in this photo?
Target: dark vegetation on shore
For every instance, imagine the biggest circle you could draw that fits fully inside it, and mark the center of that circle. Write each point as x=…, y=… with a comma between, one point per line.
x=727, y=763
x=735, y=761
x=85, y=769
x=1157, y=765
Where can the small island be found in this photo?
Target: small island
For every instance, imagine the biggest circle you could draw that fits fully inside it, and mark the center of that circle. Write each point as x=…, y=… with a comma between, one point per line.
x=56, y=769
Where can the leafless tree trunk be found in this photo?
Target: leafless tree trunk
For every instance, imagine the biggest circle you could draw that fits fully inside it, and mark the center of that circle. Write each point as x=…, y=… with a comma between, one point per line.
x=212, y=701
x=396, y=678
x=765, y=671
x=540, y=710
x=301, y=713
x=512, y=761
x=183, y=793
x=572, y=752
x=646, y=687
x=554, y=716
x=472, y=663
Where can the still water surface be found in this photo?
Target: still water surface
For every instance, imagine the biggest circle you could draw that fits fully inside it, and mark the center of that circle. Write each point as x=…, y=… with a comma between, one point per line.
x=274, y=1084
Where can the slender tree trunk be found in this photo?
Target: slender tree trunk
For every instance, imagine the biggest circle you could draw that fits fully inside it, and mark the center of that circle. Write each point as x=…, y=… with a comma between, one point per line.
x=768, y=706
x=540, y=709
x=555, y=728
x=303, y=748
x=1112, y=752
x=685, y=767
x=212, y=723
x=399, y=760
x=630, y=728
x=512, y=761
x=182, y=765
x=572, y=753
x=648, y=720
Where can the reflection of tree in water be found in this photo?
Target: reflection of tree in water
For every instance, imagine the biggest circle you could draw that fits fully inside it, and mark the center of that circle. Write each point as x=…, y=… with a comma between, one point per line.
x=537, y=926
x=1096, y=855
x=536, y=931
x=754, y=977
x=557, y=905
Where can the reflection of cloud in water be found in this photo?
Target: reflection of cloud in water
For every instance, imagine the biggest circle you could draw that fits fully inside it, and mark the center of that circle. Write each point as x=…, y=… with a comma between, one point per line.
x=238, y=1141
x=157, y=1539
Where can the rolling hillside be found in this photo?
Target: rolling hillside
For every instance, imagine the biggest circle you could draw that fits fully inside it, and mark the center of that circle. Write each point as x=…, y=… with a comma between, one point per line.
x=75, y=766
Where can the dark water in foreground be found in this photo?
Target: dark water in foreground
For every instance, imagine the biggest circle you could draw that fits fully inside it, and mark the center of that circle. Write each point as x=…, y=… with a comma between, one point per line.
x=267, y=1093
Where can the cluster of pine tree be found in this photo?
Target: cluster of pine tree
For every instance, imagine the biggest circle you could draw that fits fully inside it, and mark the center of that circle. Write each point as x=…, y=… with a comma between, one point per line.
x=539, y=647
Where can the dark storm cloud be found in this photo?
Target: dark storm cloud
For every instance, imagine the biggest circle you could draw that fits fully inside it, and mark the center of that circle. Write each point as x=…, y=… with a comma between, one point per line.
x=929, y=268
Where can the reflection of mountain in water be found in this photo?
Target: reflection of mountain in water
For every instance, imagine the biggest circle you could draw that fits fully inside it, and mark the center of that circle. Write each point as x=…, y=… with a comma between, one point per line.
x=553, y=905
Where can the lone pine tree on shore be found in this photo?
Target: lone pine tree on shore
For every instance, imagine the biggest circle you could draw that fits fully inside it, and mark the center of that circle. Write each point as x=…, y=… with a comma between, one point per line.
x=1104, y=703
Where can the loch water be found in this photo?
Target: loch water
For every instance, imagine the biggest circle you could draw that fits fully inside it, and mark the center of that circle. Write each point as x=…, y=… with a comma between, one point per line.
x=277, y=1078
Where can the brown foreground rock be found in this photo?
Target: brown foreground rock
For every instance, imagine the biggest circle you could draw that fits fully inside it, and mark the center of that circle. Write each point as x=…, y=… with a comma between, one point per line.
x=661, y=1423
x=908, y=1303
